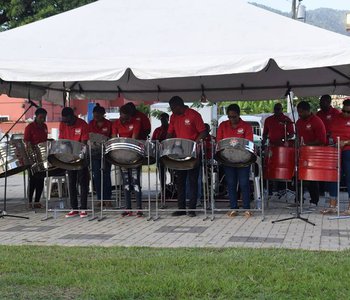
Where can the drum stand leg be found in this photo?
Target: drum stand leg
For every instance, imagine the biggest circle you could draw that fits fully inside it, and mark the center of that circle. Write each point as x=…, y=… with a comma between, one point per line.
x=297, y=213
x=204, y=184
x=47, y=195
x=102, y=189
x=161, y=193
x=3, y=212
x=149, y=183
x=93, y=217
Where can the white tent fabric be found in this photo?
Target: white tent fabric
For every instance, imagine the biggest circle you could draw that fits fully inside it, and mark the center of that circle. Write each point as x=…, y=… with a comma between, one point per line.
x=154, y=49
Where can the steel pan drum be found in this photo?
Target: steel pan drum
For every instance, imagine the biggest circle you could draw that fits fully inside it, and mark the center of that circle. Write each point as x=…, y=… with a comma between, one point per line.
x=125, y=152
x=235, y=152
x=96, y=141
x=18, y=159
x=67, y=154
x=150, y=149
x=179, y=154
x=318, y=163
x=41, y=164
x=279, y=163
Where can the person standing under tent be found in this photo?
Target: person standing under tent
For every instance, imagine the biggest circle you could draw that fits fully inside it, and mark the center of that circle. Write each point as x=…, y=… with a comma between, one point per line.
x=340, y=127
x=75, y=129
x=186, y=123
x=277, y=128
x=145, y=129
x=128, y=127
x=102, y=126
x=311, y=132
x=160, y=134
x=35, y=133
x=236, y=127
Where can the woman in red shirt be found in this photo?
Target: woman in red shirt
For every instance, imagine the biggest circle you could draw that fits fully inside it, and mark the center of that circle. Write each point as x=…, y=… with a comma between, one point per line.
x=101, y=125
x=129, y=127
x=236, y=127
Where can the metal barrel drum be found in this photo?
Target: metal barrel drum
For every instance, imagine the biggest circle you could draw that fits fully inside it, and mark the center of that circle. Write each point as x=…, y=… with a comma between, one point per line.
x=235, y=152
x=125, y=152
x=150, y=150
x=318, y=163
x=179, y=154
x=41, y=163
x=279, y=163
x=18, y=159
x=67, y=154
x=96, y=141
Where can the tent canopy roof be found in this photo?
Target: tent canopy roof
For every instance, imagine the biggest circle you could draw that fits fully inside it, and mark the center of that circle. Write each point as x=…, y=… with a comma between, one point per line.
x=153, y=49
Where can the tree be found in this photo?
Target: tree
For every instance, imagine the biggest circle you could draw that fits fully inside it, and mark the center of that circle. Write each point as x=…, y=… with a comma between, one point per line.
x=14, y=13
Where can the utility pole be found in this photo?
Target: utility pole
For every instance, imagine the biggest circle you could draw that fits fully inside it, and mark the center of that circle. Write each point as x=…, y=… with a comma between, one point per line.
x=294, y=9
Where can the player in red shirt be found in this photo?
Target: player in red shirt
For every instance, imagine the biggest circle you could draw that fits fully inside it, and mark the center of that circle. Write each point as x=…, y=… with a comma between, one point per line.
x=145, y=129
x=101, y=125
x=327, y=113
x=128, y=127
x=75, y=129
x=311, y=132
x=160, y=134
x=186, y=123
x=236, y=127
x=278, y=128
x=341, y=128
x=35, y=133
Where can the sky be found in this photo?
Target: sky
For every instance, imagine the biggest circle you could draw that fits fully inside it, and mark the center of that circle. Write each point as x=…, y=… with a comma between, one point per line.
x=286, y=5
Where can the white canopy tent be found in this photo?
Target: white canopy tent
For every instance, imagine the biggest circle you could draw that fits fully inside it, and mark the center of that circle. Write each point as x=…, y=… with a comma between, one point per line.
x=154, y=49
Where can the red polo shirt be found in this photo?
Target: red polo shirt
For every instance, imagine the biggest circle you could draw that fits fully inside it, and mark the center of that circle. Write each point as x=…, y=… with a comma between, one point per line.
x=186, y=126
x=327, y=117
x=243, y=130
x=127, y=129
x=341, y=128
x=105, y=127
x=275, y=126
x=35, y=133
x=312, y=130
x=160, y=133
x=78, y=132
x=144, y=123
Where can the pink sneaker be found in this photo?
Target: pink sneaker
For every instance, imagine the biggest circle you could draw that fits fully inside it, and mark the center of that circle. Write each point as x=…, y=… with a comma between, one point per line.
x=72, y=213
x=83, y=214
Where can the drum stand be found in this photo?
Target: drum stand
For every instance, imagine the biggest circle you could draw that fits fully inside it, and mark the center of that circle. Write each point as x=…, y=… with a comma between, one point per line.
x=296, y=172
x=3, y=212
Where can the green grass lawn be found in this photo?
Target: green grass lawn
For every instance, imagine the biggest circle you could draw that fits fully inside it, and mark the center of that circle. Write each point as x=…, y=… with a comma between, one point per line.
x=34, y=272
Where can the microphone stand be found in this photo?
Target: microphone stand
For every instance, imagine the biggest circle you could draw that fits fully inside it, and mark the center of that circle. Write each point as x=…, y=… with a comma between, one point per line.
x=3, y=212
x=296, y=174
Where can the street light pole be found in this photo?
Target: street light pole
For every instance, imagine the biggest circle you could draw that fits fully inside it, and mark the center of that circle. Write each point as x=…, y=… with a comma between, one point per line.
x=294, y=9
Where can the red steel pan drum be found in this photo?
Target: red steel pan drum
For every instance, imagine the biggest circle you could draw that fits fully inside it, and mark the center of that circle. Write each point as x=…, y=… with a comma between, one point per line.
x=279, y=163
x=318, y=163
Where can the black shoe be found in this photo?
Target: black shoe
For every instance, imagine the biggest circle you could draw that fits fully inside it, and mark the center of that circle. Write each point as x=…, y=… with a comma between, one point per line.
x=191, y=214
x=178, y=213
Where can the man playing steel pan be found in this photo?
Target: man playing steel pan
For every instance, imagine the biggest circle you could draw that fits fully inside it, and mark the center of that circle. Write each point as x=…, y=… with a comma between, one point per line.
x=340, y=127
x=101, y=126
x=236, y=127
x=75, y=129
x=186, y=123
x=128, y=127
x=311, y=132
x=35, y=133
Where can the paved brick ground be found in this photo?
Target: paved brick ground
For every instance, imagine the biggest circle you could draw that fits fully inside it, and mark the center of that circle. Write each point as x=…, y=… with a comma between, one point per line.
x=169, y=231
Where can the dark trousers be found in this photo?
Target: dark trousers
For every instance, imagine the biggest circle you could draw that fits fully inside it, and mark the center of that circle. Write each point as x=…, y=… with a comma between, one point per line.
x=181, y=187
x=241, y=176
x=131, y=181
x=81, y=177
x=36, y=183
x=162, y=177
x=107, y=184
x=314, y=191
x=345, y=161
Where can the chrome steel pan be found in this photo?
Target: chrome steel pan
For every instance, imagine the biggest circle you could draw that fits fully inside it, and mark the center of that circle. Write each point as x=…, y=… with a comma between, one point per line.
x=39, y=154
x=150, y=148
x=235, y=152
x=18, y=159
x=179, y=154
x=96, y=141
x=68, y=155
x=125, y=152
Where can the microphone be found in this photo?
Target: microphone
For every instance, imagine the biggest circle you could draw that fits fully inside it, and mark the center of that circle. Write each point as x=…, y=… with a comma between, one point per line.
x=32, y=103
